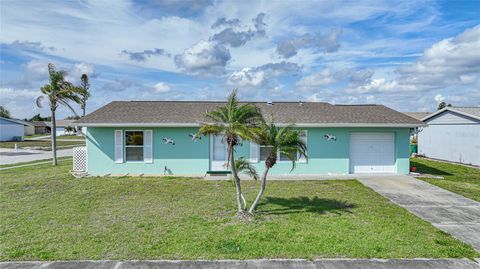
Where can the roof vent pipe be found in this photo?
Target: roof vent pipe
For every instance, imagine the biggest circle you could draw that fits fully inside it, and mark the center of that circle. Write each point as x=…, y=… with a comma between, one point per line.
x=270, y=103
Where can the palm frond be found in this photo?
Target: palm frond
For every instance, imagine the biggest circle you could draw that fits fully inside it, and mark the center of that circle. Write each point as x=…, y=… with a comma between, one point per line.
x=245, y=167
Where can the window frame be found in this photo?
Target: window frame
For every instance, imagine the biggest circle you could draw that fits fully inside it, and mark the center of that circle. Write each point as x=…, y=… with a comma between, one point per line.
x=278, y=152
x=125, y=146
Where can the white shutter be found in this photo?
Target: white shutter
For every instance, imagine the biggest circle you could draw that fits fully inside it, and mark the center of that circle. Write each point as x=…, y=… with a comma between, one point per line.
x=118, y=146
x=148, y=146
x=254, y=152
x=302, y=158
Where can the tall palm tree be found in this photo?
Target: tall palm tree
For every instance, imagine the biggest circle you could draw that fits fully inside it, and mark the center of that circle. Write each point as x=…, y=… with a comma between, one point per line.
x=233, y=121
x=59, y=92
x=84, y=94
x=285, y=140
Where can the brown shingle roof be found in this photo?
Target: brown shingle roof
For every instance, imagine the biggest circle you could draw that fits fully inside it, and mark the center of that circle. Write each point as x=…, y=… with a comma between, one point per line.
x=192, y=112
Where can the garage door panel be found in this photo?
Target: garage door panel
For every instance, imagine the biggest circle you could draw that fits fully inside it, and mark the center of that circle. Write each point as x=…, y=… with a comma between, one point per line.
x=372, y=153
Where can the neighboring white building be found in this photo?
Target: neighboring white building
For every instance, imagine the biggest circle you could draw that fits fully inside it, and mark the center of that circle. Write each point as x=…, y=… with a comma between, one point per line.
x=453, y=134
x=11, y=130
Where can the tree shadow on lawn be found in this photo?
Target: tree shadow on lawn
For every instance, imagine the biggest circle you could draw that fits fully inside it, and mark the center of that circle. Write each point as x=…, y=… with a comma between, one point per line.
x=304, y=204
x=427, y=169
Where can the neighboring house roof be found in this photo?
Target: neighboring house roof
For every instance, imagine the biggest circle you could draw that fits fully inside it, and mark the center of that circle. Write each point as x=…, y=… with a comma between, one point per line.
x=417, y=115
x=472, y=112
x=15, y=121
x=64, y=123
x=60, y=123
x=192, y=113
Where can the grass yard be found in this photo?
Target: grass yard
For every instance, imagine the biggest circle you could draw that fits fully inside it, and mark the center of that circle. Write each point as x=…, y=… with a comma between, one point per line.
x=41, y=144
x=59, y=159
x=457, y=178
x=46, y=214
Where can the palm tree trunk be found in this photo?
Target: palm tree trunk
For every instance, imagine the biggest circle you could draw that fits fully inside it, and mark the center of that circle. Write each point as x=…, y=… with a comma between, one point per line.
x=263, y=185
x=54, y=138
x=236, y=179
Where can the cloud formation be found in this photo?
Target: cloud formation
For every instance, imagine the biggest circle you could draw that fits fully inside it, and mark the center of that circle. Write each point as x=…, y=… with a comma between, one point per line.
x=224, y=22
x=327, y=43
x=142, y=56
x=204, y=58
x=259, y=76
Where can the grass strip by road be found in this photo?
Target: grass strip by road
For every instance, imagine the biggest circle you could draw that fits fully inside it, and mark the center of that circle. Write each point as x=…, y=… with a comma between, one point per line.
x=457, y=178
x=47, y=214
x=41, y=144
x=36, y=162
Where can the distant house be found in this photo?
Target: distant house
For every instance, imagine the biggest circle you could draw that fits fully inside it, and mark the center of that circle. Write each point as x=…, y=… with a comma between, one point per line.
x=11, y=130
x=160, y=137
x=418, y=116
x=45, y=127
x=453, y=134
x=42, y=127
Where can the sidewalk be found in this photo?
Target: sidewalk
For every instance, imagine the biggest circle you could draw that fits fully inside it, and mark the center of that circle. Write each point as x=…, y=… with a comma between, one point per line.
x=266, y=264
x=10, y=156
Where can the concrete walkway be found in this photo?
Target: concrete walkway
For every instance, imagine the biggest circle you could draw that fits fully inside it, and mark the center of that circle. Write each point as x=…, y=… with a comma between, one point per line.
x=267, y=264
x=450, y=212
x=10, y=156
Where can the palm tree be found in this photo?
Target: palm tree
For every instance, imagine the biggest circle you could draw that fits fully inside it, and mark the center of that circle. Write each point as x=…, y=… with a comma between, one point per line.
x=285, y=140
x=59, y=92
x=233, y=121
x=243, y=166
x=84, y=94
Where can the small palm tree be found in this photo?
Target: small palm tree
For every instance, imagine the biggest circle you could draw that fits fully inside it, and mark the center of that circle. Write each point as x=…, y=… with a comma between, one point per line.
x=243, y=166
x=233, y=121
x=285, y=140
x=58, y=92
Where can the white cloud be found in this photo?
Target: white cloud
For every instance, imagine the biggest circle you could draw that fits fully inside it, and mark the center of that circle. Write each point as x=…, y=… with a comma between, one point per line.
x=439, y=98
x=247, y=77
x=322, y=78
x=162, y=87
x=204, y=58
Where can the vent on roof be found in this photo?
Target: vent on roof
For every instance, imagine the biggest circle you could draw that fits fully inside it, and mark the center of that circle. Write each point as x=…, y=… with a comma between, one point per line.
x=270, y=103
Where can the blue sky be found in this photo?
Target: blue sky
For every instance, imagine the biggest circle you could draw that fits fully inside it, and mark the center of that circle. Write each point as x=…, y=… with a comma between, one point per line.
x=408, y=55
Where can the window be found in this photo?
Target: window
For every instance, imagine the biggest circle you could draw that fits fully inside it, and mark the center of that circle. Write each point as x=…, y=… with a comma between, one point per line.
x=265, y=150
x=134, y=146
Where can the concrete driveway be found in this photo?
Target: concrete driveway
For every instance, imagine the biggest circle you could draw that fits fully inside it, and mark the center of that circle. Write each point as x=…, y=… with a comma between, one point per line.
x=10, y=156
x=450, y=212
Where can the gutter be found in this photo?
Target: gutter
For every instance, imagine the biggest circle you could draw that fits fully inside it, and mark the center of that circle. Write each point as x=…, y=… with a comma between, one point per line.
x=149, y=124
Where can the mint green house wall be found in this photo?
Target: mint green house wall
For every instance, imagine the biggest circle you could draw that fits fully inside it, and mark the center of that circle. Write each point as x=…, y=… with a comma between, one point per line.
x=188, y=157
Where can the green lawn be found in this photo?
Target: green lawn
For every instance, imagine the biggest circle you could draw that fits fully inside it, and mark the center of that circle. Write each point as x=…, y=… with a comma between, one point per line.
x=41, y=144
x=35, y=135
x=457, y=178
x=46, y=214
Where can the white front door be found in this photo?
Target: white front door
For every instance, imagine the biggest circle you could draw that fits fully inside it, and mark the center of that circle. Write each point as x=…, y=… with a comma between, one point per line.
x=218, y=153
x=372, y=153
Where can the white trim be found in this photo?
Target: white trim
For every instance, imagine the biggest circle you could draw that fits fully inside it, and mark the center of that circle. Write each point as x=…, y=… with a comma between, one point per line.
x=149, y=124
x=449, y=109
x=118, y=146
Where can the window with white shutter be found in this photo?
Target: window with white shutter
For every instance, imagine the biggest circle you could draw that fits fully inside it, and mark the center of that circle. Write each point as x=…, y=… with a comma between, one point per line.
x=118, y=146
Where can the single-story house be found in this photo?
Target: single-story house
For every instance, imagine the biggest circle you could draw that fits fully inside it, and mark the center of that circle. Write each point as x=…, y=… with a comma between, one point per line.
x=453, y=134
x=45, y=127
x=29, y=128
x=11, y=129
x=42, y=127
x=158, y=137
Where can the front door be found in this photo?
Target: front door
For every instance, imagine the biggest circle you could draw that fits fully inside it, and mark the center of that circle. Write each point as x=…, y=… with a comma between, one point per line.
x=218, y=153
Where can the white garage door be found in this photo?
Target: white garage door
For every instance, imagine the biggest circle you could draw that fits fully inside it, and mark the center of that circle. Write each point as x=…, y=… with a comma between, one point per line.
x=372, y=153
